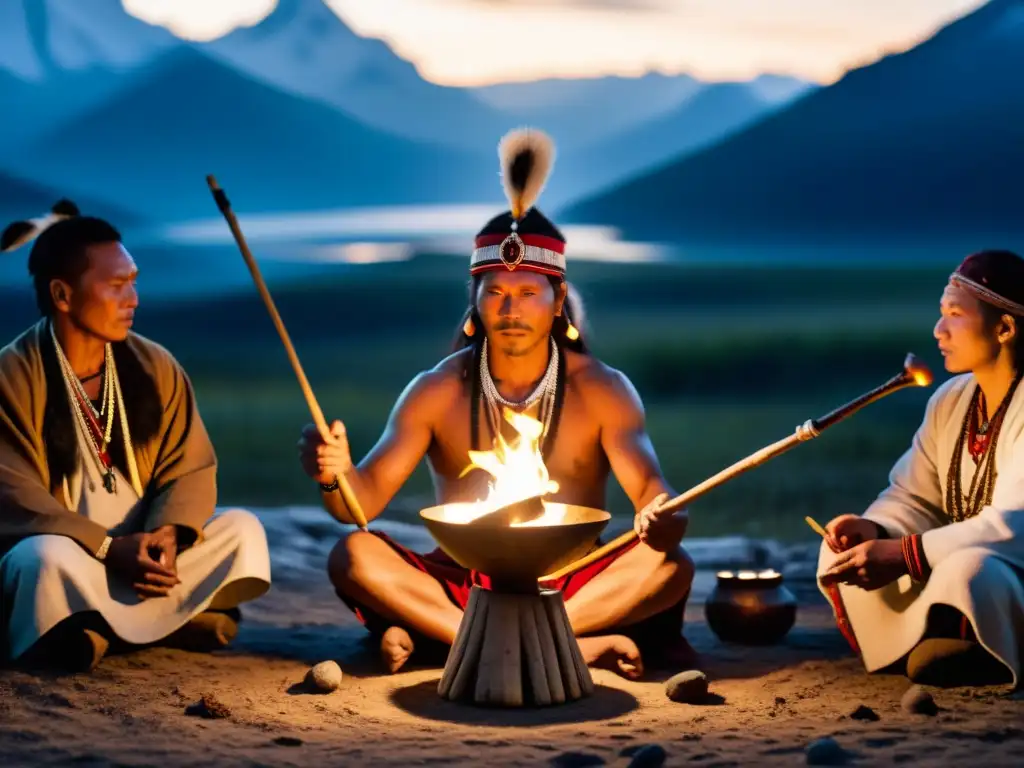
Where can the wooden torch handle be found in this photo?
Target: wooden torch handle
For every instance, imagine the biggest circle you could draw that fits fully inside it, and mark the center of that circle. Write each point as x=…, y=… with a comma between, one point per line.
x=351, y=501
x=683, y=499
x=914, y=373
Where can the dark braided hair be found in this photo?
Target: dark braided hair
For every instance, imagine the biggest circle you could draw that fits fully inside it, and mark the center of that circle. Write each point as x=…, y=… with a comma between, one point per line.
x=61, y=253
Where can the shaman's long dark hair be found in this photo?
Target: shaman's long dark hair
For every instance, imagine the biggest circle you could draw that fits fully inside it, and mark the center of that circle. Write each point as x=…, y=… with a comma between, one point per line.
x=572, y=311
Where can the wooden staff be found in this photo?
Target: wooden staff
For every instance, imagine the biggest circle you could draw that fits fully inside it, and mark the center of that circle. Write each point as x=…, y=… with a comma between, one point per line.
x=914, y=373
x=314, y=407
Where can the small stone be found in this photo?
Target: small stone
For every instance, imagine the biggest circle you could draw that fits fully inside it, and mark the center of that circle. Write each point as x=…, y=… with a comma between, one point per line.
x=209, y=708
x=690, y=687
x=917, y=701
x=325, y=676
x=288, y=741
x=57, y=700
x=864, y=713
x=779, y=701
x=825, y=751
x=649, y=756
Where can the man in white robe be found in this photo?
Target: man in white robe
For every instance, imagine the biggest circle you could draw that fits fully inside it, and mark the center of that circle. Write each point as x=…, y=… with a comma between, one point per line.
x=928, y=581
x=108, y=536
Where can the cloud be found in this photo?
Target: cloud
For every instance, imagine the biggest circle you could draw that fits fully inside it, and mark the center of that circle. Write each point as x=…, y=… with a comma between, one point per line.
x=200, y=20
x=590, y=5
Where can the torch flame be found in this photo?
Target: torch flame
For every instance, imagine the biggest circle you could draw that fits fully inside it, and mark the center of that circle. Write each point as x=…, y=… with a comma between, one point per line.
x=517, y=472
x=917, y=371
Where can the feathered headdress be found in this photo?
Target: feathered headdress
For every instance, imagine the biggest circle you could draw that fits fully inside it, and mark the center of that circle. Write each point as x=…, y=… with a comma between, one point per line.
x=20, y=233
x=522, y=237
x=527, y=157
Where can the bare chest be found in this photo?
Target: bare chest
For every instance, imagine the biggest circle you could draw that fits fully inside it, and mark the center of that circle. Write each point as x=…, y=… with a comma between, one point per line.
x=576, y=460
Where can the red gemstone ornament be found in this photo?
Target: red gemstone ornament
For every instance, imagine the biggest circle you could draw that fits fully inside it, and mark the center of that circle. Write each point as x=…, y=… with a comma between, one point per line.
x=512, y=251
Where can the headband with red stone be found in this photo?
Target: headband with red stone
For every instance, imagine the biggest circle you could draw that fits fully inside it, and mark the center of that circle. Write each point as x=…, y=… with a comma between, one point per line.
x=522, y=238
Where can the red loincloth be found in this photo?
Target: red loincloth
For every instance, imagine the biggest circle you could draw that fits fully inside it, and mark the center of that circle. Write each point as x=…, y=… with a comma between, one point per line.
x=656, y=635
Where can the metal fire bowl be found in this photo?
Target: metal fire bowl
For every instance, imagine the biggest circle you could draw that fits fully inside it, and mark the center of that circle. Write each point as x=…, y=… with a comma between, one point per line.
x=514, y=557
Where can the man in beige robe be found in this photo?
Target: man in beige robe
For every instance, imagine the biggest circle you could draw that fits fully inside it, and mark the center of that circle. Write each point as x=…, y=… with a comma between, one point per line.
x=929, y=580
x=107, y=475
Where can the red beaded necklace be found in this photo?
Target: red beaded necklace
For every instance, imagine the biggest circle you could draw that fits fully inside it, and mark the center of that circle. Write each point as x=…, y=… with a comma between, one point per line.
x=978, y=432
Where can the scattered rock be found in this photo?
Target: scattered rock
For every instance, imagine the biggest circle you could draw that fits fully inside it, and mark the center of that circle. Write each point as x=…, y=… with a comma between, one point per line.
x=917, y=701
x=690, y=687
x=648, y=756
x=777, y=707
x=325, y=676
x=208, y=707
x=288, y=741
x=576, y=760
x=865, y=713
x=825, y=751
x=57, y=700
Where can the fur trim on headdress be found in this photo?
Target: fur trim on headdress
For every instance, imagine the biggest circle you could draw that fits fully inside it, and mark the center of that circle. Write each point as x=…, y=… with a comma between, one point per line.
x=19, y=233
x=527, y=156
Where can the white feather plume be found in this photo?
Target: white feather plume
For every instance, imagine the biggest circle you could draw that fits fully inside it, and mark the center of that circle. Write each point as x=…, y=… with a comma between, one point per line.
x=20, y=233
x=536, y=150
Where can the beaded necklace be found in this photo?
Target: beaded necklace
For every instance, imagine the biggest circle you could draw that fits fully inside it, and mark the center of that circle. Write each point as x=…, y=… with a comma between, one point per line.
x=550, y=393
x=979, y=437
x=544, y=393
x=98, y=425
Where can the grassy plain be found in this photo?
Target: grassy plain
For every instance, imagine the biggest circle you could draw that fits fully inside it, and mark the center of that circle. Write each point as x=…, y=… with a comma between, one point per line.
x=727, y=360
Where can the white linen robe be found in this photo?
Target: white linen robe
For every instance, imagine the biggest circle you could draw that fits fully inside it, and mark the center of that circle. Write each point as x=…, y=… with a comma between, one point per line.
x=47, y=578
x=976, y=564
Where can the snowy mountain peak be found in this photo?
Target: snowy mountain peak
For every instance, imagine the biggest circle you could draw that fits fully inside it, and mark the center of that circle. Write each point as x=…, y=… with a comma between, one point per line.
x=39, y=38
x=298, y=37
x=297, y=18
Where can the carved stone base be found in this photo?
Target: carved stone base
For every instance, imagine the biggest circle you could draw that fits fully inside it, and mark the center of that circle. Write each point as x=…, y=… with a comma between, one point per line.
x=515, y=650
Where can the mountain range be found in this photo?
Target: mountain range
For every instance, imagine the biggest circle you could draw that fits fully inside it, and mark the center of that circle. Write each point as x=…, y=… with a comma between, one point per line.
x=154, y=143
x=22, y=199
x=298, y=111
x=926, y=141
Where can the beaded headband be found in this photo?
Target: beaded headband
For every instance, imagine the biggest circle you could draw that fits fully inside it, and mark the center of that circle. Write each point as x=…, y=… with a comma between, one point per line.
x=526, y=157
x=536, y=253
x=987, y=294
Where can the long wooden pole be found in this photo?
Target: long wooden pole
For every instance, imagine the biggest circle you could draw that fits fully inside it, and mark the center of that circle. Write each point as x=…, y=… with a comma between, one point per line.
x=351, y=501
x=914, y=373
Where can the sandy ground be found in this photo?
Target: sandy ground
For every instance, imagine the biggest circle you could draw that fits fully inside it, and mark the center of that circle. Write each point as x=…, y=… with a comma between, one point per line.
x=768, y=705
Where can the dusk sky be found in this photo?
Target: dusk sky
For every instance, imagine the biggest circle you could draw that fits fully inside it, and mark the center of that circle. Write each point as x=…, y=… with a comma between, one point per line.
x=468, y=42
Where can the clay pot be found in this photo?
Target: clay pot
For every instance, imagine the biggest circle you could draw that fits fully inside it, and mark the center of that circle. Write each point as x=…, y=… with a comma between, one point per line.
x=750, y=607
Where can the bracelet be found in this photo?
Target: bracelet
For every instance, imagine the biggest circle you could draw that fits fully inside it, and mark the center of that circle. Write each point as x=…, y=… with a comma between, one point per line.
x=101, y=553
x=913, y=556
x=330, y=487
